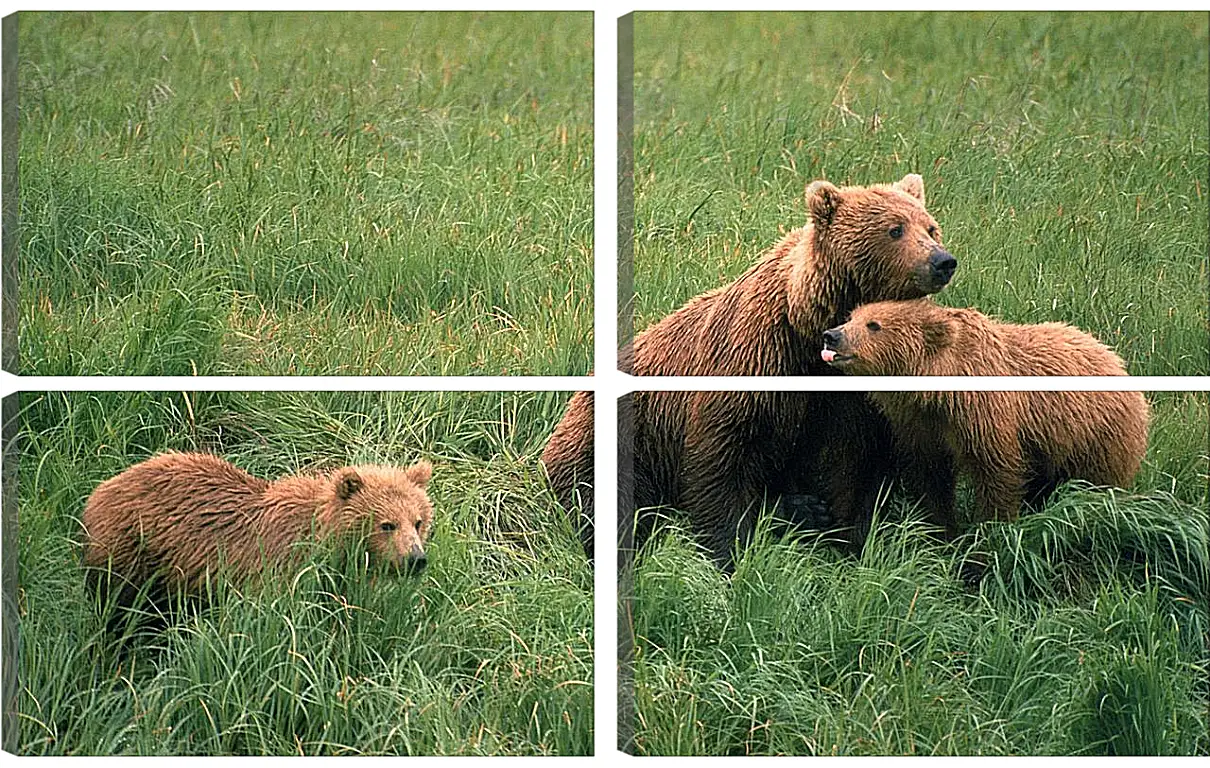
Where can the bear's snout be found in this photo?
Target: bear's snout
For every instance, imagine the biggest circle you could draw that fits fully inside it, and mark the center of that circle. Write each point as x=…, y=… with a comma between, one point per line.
x=833, y=343
x=942, y=266
x=414, y=561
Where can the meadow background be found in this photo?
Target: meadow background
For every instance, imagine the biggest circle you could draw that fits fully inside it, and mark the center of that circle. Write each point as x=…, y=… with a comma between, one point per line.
x=305, y=193
x=1064, y=156
x=1083, y=628
x=489, y=651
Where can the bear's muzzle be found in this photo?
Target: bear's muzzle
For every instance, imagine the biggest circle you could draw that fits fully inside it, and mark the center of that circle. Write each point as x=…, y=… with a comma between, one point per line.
x=941, y=267
x=415, y=561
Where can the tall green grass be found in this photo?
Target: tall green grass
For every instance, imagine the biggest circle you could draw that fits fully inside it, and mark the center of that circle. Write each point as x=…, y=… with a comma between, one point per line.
x=489, y=651
x=1064, y=156
x=301, y=193
x=1083, y=628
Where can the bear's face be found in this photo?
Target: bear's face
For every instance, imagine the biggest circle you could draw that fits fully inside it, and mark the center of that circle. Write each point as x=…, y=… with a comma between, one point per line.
x=889, y=338
x=881, y=237
x=392, y=508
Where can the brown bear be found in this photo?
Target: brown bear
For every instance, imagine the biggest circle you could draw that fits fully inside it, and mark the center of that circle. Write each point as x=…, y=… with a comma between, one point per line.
x=176, y=517
x=1017, y=446
x=715, y=455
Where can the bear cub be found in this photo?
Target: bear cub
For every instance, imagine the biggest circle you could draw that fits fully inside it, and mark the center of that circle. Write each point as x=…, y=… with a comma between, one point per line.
x=177, y=517
x=1017, y=446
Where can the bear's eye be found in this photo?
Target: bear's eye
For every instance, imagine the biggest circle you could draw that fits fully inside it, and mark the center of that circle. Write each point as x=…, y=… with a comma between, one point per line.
x=873, y=325
x=896, y=232
x=418, y=524
x=388, y=527
x=933, y=232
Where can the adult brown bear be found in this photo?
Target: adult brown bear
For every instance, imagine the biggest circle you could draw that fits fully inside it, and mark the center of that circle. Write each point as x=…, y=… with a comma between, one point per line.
x=716, y=455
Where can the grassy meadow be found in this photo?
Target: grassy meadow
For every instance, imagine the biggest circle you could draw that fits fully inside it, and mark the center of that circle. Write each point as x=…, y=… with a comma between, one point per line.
x=489, y=651
x=305, y=193
x=1064, y=156
x=1087, y=633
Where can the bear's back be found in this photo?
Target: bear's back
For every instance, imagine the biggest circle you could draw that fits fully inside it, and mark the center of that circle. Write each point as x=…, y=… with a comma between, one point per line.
x=172, y=478
x=170, y=495
x=1058, y=349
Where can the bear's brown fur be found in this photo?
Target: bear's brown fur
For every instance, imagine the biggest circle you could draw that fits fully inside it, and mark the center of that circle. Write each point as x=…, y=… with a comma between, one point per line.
x=716, y=454
x=568, y=458
x=1017, y=446
x=178, y=516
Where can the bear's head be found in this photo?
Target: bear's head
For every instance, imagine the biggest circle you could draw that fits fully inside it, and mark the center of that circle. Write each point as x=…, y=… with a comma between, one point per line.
x=880, y=238
x=390, y=507
x=890, y=338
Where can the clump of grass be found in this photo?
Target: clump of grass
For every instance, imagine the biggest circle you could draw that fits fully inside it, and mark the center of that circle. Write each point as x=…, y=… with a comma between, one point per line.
x=1088, y=531
x=1128, y=710
x=488, y=652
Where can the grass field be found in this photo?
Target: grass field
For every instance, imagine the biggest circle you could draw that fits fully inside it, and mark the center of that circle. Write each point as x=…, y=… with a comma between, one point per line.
x=1064, y=156
x=1088, y=633
x=488, y=652
x=305, y=193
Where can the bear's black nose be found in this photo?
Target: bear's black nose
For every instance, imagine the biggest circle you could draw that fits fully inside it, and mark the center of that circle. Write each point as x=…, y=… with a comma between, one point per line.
x=416, y=560
x=831, y=337
x=942, y=265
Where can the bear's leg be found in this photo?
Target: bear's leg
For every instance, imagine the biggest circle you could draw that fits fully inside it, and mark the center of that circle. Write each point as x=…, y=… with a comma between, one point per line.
x=800, y=496
x=1110, y=458
x=729, y=453
x=929, y=475
x=1040, y=484
x=1042, y=474
x=999, y=474
x=721, y=495
x=724, y=524
x=855, y=462
x=128, y=606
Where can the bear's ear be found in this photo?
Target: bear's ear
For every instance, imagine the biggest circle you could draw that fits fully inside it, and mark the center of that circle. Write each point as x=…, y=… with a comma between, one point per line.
x=912, y=184
x=420, y=472
x=823, y=198
x=348, y=482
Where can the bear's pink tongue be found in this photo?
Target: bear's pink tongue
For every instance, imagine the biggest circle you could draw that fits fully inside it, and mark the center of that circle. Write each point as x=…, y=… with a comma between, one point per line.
x=828, y=355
